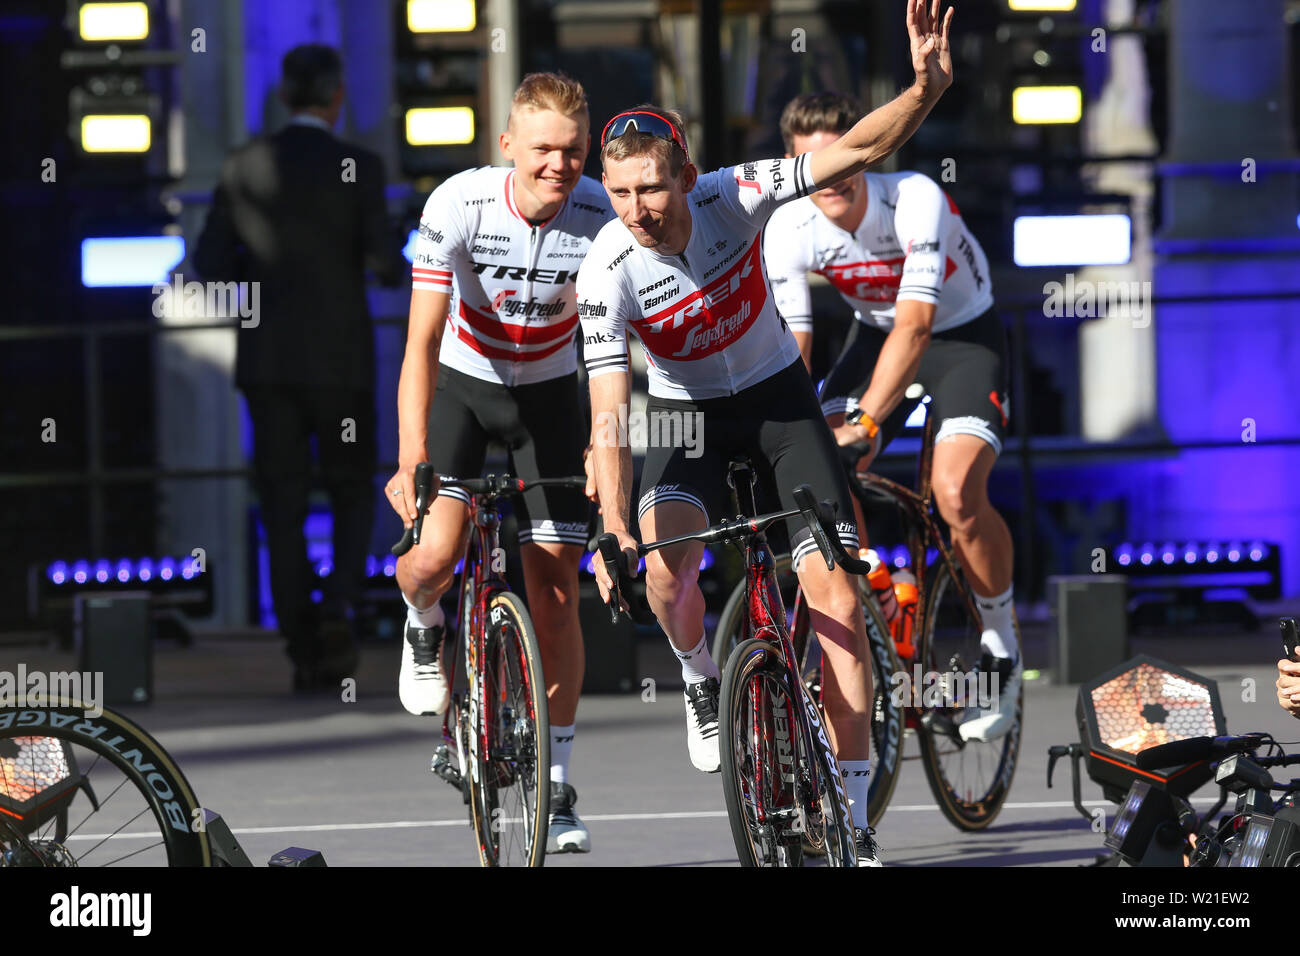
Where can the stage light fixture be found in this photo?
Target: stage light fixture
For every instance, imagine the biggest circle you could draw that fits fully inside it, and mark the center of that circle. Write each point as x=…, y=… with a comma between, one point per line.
x=116, y=133
x=440, y=16
x=121, y=261
x=1042, y=6
x=1083, y=240
x=1143, y=703
x=113, y=22
x=1035, y=105
x=440, y=126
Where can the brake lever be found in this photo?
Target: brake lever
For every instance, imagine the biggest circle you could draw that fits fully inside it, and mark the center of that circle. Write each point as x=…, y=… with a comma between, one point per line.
x=423, y=494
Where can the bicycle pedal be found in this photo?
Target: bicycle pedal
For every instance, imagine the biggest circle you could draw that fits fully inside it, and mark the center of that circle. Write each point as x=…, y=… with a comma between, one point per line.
x=445, y=767
x=939, y=724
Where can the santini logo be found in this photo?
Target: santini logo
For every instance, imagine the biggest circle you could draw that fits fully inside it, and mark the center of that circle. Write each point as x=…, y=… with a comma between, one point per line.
x=77, y=909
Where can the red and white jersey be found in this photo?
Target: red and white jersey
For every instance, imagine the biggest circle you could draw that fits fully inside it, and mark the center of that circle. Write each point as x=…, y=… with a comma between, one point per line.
x=513, y=318
x=911, y=244
x=706, y=317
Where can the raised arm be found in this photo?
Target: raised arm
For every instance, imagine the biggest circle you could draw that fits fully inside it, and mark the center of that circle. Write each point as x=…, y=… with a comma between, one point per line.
x=882, y=131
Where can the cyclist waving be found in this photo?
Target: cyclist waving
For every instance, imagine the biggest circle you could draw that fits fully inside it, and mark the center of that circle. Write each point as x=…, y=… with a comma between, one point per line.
x=490, y=350
x=682, y=271
x=898, y=252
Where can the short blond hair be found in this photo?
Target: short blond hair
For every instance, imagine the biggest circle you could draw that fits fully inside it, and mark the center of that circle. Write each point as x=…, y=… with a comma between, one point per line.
x=550, y=91
x=640, y=144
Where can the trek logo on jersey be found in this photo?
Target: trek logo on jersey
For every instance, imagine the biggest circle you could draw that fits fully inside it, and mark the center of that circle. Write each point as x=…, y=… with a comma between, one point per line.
x=619, y=258
x=701, y=203
x=697, y=326
x=969, y=254
x=588, y=207
x=875, y=281
x=521, y=274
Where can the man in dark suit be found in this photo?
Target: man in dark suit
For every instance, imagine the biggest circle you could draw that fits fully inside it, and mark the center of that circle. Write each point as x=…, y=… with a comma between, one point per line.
x=302, y=214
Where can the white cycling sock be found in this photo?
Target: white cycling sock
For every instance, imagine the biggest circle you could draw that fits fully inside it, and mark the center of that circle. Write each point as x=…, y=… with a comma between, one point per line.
x=428, y=617
x=999, y=614
x=857, y=784
x=697, y=663
x=561, y=747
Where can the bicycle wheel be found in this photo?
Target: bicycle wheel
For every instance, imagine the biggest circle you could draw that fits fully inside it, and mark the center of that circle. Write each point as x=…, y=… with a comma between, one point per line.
x=512, y=750
x=970, y=780
x=755, y=724
x=92, y=791
x=886, y=717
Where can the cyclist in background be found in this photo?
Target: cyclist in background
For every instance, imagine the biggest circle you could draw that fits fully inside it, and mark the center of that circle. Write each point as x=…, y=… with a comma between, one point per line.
x=490, y=348
x=682, y=270
x=896, y=249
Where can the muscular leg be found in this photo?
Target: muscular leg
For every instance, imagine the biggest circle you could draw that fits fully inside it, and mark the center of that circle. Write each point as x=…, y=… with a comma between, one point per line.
x=672, y=574
x=426, y=571
x=551, y=578
x=960, y=475
x=833, y=601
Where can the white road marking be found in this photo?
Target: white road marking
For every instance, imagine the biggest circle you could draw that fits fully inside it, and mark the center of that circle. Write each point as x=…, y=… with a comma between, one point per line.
x=602, y=817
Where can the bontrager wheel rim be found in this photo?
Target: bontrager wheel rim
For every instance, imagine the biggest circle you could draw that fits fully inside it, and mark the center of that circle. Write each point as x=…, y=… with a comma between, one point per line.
x=750, y=759
x=146, y=813
x=516, y=773
x=970, y=782
x=887, y=718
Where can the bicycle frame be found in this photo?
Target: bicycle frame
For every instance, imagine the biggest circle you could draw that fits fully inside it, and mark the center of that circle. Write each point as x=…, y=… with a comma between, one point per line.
x=921, y=529
x=767, y=621
x=480, y=583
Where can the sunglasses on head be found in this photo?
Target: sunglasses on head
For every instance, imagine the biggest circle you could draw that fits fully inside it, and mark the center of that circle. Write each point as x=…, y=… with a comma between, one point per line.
x=640, y=121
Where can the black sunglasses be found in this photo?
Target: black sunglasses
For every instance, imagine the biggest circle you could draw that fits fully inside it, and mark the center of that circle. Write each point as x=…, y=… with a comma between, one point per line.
x=640, y=121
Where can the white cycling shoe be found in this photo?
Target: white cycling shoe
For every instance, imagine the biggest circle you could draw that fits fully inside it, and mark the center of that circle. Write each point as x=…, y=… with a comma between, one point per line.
x=422, y=683
x=989, y=723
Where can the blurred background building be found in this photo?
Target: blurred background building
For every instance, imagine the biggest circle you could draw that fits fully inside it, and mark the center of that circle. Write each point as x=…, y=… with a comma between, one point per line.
x=1128, y=165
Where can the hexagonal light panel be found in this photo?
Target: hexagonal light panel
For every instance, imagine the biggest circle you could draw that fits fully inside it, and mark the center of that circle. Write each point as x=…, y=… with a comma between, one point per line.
x=38, y=776
x=1142, y=703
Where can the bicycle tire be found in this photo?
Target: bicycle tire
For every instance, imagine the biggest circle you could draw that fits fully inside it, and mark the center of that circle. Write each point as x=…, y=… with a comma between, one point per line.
x=128, y=748
x=757, y=843
x=887, y=716
x=970, y=801
x=511, y=682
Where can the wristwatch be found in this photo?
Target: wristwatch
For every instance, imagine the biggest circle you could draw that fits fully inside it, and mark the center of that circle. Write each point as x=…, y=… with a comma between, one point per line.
x=859, y=417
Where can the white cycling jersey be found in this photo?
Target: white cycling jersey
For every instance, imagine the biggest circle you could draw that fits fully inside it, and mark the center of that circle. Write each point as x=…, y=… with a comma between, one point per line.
x=512, y=318
x=706, y=318
x=911, y=244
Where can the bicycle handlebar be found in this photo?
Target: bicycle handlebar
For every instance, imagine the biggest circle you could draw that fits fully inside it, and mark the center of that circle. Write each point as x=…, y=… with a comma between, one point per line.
x=817, y=515
x=494, y=486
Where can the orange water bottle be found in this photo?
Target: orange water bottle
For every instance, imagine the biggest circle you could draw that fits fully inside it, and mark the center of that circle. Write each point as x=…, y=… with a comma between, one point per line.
x=883, y=587
x=906, y=595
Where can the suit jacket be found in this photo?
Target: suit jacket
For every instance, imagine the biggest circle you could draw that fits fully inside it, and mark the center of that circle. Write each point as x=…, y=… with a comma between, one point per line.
x=291, y=214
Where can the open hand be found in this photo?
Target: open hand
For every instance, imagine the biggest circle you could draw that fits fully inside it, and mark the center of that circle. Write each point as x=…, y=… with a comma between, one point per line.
x=931, y=56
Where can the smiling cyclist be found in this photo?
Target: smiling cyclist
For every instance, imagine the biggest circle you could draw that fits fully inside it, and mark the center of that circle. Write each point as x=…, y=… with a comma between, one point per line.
x=490, y=351
x=682, y=271
x=896, y=249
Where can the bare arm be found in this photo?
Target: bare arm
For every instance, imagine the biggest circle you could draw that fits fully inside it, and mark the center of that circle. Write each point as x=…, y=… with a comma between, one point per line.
x=428, y=318
x=805, y=348
x=882, y=131
x=900, y=357
x=612, y=459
